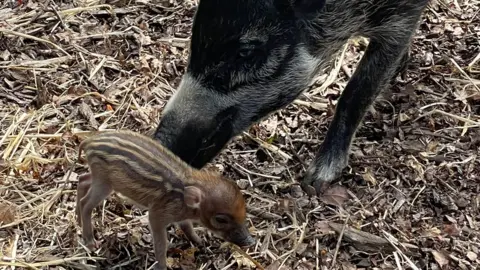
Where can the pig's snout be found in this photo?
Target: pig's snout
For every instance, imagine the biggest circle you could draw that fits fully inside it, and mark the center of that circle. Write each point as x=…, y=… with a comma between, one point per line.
x=193, y=137
x=248, y=242
x=241, y=237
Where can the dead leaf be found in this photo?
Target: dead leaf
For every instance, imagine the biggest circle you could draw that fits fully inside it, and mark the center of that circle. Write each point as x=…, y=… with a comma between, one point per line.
x=276, y=266
x=44, y=96
x=472, y=256
x=348, y=266
x=403, y=117
x=362, y=240
x=322, y=227
x=135, y=236
x=432, y=232
x=87, y=112
x=335, y=195
x=189, y=254
x=440, y=258
x=305, y=265
x=284, y=206
x=173, y=263
x=188, y=258
x=368, y=176
x=77, y=90
x=3, y=166
x=7, y=213
x=242, y=261
x=68, y=137
x=458, y=31
x=301, y=248
x=63, y=99
x=5, y=55
x=451, y=229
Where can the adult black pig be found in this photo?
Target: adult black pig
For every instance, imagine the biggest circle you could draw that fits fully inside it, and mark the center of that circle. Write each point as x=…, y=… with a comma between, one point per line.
x=249, y=58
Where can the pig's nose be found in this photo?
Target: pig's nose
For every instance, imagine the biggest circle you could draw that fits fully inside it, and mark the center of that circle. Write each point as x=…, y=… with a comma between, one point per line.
x=248, y=241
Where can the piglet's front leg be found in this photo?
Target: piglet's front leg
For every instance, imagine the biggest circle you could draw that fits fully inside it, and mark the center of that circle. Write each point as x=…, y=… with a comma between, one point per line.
x=187, y=229
x=158, y=228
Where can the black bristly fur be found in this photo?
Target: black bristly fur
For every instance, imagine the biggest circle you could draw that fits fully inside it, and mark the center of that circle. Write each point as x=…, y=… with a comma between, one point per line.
x=251, y=57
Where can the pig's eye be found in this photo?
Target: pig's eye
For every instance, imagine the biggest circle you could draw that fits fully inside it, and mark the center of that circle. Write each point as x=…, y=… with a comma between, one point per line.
x=245, y=52
x=249, y=48
x=221, y=219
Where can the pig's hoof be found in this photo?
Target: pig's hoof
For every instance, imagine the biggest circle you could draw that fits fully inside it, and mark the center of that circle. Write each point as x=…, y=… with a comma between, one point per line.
x=158, y=267
x=92, y=245
x=321, y=173
x=197, y=241
x=79, y=219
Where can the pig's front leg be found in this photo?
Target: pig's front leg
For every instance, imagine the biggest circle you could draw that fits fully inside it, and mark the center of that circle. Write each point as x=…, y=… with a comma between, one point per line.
x=158, y=228
x=187, y=229
x=360, y=92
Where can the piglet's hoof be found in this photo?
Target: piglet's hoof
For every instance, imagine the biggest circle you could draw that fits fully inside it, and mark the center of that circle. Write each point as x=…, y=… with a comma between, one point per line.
x=197, y=241
x=158, y=267
x=92, y=245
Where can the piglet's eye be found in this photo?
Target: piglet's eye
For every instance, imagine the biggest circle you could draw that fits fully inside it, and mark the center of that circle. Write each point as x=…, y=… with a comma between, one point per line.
x=221, y=219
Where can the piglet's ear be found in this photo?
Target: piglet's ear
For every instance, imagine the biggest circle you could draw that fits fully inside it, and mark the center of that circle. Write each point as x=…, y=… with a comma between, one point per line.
x=307, y=9
x=193, y=196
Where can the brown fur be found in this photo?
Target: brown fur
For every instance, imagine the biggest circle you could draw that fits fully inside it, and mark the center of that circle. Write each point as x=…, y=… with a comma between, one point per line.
x=153, y=178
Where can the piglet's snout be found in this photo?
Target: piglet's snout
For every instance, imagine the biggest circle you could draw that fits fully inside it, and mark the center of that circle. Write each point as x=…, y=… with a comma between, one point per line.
x=241, y=237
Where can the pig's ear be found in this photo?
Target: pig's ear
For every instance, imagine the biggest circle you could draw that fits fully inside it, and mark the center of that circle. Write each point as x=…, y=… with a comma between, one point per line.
x=193, y=196
x=307, y=9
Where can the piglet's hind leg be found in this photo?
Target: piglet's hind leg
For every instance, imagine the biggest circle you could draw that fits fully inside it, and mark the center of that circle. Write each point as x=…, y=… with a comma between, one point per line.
x=99, y=191
x=84, y=182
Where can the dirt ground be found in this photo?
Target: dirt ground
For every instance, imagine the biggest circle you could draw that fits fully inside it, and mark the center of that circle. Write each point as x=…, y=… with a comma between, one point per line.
x=410, y=198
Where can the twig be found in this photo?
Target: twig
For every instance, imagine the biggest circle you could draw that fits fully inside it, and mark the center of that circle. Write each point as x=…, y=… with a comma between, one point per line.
x=464, y=74
x=257, y=174
x=302, y=235
x=7, y=31
x=397, y=261
x=460, y=118
x=339, y=241
x=268, y=146
x=314, y=105
x=59, y=17
x=333, y=74
x=50, y=263
x=387, y=237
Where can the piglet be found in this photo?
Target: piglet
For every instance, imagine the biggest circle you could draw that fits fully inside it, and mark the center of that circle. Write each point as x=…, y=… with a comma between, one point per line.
x=150, y=176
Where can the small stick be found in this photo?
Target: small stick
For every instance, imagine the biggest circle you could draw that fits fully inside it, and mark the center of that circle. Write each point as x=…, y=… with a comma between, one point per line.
x=464, y=74
x=418, y=194
x=50, y=263
x=55, y=11
x=257, y=174
x=268, y=146
x=397, y=260
x=333, y=73
x=302, y=235
x=459, y=118
x=7, y=31
x=414, y=267
x=339, y=242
